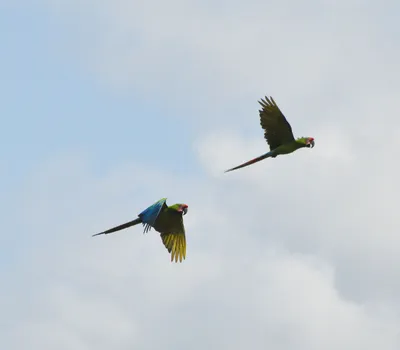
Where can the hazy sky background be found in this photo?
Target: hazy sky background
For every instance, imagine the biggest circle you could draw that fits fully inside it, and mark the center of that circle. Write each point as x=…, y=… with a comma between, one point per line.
x=108, y=106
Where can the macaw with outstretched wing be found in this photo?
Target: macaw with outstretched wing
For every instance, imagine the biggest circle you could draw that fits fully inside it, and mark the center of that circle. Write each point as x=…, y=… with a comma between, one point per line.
x=168, y=221
x=277, y=132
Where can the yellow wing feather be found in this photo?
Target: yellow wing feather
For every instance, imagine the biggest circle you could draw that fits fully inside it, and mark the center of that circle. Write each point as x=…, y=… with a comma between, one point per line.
x=176, y=245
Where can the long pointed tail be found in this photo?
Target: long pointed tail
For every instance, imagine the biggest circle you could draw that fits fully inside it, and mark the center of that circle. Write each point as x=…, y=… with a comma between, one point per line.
x=255, y=160
x=120, y=227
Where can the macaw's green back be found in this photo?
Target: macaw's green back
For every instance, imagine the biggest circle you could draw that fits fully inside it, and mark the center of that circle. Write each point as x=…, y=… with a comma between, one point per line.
x=168, y=221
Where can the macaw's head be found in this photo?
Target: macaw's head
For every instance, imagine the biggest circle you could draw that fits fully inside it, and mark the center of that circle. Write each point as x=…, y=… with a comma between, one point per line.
x=307, y=141
x=310, y=143
x=181, y=208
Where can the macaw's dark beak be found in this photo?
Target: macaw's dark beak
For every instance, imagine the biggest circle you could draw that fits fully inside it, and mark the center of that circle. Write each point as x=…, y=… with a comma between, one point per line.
x=311, y=143
x=185, y=210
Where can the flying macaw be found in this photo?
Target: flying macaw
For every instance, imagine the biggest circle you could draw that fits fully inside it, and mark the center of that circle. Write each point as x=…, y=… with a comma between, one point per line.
x=277, y=132
x=168, y=221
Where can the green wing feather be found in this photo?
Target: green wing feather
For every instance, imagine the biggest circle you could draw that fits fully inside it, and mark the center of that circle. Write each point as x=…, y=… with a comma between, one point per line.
x=175, y=240
x=277, y=129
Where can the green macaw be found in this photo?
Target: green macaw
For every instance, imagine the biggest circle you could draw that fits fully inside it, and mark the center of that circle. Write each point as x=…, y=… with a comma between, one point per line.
x=278, y=133
x=168, y=221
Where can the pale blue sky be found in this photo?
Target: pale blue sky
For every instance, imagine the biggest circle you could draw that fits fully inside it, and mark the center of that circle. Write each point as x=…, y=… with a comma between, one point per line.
x=54, y=105
x=109, y=106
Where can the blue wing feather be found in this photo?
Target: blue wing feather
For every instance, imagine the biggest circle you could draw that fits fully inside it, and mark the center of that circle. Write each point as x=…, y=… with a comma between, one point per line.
x=149, y=215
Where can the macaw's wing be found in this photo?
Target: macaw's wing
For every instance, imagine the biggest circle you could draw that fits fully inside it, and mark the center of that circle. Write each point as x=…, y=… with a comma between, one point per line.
x=175, y=241
x=150, y=215
x=277, y=129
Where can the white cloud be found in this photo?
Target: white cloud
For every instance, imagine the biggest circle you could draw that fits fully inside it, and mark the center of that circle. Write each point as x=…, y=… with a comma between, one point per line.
x=247, y=281
x=191, y=53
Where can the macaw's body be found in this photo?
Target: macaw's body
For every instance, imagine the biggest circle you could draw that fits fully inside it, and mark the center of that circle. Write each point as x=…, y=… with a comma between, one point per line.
x=277, y=132
x=168, y=221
